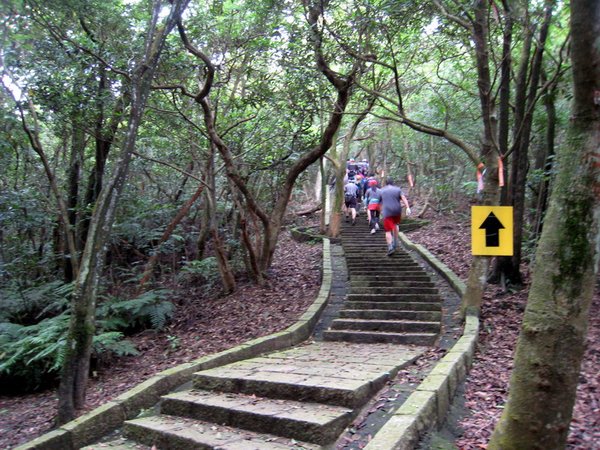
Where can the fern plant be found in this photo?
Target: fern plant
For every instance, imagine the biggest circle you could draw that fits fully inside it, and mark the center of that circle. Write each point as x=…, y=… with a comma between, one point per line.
x=205, y=270
x=29, y=305
x=32, y=356
x=152, y=308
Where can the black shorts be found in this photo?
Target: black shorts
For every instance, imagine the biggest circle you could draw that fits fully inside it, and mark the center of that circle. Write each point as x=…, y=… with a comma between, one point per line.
x=350, y=202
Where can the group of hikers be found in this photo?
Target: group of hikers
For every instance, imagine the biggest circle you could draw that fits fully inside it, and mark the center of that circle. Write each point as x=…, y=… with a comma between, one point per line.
x=362, y=187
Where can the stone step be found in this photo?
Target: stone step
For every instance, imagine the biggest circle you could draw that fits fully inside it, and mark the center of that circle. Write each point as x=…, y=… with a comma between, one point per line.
x=319, y=373
x=360, y=289
x=354, y=245
x=310, y=422
x=391, y=283
x=289, y=386
x=366, y=337
x=392, y=269
x=391, y=326
x=419, y=298
x=386, y=314
x=397, y=306
x=178, y=433
x=360, y=257
x=382, y=264
x=397, y=276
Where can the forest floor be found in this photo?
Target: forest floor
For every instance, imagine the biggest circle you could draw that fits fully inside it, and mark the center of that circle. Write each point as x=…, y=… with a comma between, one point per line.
x=207, y=323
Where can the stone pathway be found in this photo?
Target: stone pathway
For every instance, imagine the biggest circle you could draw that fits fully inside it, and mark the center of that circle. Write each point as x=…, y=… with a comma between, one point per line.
x=383, y=313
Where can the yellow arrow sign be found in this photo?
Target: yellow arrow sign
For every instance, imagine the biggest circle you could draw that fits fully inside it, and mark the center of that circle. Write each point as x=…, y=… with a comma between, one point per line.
x=492, y=230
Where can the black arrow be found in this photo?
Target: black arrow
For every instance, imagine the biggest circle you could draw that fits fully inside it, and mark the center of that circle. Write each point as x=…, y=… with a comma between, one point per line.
x=492, y=226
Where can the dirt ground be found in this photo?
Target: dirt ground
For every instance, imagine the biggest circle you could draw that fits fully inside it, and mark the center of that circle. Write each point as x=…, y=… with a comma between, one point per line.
x=206, y=323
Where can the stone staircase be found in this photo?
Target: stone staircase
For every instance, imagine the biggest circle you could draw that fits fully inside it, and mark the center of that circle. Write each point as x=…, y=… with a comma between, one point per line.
x=391, y=298
x=306, y=396
x=303, y=397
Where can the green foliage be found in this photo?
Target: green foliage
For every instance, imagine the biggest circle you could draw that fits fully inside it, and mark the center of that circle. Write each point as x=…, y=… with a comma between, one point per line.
x=28, y=305
x=203, y=271
x=113, y=342
x=150, y=309
x=31, y=355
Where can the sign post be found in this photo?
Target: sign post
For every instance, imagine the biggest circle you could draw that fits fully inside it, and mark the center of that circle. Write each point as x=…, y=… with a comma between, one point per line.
x=492, y=230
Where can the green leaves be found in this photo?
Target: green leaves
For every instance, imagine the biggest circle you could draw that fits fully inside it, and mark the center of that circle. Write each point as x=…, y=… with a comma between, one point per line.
x=151, y=308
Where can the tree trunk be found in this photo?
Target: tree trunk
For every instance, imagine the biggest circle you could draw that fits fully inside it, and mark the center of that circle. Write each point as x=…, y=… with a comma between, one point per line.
x=104, y=140
x=552, y=340
x=471, y=301
x=545, y=162
x=75, y=369
x=324, y=197
x=75, y=163
x=342, y=84
x=527, y=89
x=183, y=211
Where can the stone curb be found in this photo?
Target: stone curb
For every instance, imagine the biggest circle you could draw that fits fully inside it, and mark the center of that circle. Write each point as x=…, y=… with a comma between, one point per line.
x=92, y=426
x=427, y=406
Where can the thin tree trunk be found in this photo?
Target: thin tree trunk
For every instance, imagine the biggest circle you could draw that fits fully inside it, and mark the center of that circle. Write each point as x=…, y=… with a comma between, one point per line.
x=75, y=370
x=183, y=211
x=75, y=163
x=527, y=88
x=471, y=301
x=552, y=340
x=548, y=163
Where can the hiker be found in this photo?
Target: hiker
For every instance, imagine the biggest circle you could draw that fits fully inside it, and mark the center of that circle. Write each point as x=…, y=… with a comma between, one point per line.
x=359, y=192
x=351, y=170
x=373, y=202
x=392, y=198
x=350, y=192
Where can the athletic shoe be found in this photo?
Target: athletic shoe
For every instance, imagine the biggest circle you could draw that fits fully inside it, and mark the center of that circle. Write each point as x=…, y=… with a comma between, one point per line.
x=372, y=230
x=391, y=250
x=376, y=226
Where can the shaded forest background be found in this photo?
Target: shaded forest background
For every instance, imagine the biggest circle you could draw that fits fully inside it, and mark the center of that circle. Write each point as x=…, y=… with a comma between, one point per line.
x=150, y=151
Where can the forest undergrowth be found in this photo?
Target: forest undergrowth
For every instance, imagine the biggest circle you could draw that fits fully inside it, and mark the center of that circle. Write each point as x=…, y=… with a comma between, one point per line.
x=204, y=323
x=207, y=323
x=486, y=388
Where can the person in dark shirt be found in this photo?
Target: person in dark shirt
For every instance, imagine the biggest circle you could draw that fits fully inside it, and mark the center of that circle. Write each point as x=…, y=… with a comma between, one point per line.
x=373, y=203
x=350, y=194
x=392, y=199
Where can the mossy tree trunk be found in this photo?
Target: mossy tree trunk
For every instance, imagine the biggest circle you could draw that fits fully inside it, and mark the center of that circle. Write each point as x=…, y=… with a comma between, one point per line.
x=551, y=343
x=75, y=370
x=476, y=282
x=343, y=86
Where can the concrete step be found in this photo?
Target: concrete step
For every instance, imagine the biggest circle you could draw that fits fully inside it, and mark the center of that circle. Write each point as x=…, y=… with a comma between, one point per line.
x=384, y=314
x=360, y=289
x=392, y=283
x=387, y=326
x=387, y=263
x=362, y=257
x=366, y=337
x=355, y=245
x=358, y=270
x=317, y=373
x=179, y=433
x=397, y=306
x=387, y=277
x=419, y=298
x=310, y=422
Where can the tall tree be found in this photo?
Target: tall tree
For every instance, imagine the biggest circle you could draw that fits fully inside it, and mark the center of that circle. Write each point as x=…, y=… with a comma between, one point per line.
x=75, y=369
x=552, y=339
x=527, y=88
x=342, y=86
